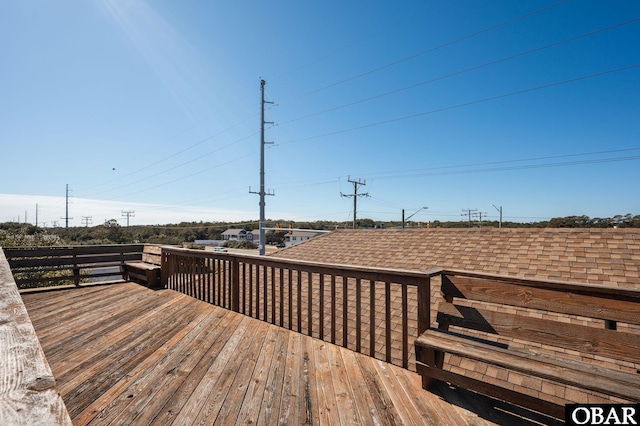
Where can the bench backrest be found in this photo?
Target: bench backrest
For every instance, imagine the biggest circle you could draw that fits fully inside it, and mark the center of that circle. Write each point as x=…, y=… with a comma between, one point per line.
x=589, y=319
x=152, y=254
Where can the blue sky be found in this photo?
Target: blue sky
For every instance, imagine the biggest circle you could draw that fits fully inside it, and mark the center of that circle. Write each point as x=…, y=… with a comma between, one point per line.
x=154, y=107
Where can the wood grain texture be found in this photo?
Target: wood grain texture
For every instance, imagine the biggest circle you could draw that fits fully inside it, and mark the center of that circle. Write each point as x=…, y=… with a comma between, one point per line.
x=28, y=393
x=160, y=357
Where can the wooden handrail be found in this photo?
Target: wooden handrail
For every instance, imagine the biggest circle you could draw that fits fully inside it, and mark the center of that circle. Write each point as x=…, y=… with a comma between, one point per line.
x=40, y=266
x=28, y=393
x=369, y=310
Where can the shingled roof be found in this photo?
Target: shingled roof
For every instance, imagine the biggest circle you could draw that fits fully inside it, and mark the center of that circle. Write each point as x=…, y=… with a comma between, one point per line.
x=597, y=256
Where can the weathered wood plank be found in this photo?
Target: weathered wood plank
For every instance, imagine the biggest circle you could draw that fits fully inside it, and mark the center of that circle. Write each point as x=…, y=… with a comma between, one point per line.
x=368, y=411
x=581, y=338
x=293, y=384
x=234, y=385
x=28, y=393
x=249, y=412
x=574, y=301
x=328, y=408
x=345, y=399
x=132, y=390
x=143, y=399
x=273, y=392
x=221, y=368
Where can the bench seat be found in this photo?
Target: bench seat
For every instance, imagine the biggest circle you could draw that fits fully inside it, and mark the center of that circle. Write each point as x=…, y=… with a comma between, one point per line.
x=572, y=335
x=530, y=362
x=145, y=272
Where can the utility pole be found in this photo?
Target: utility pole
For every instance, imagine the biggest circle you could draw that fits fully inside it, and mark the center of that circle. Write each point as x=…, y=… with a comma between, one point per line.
x=36, y=215
x=262, y=193
x=355, y=196
x=403, y=219
x=86, y=220
x=479, y=214
x=469, y=212
x=499, y=211
x=66, y=215
x=128, y=214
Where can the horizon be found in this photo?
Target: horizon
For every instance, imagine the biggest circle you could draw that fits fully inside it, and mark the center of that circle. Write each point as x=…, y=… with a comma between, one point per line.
x=155, y=108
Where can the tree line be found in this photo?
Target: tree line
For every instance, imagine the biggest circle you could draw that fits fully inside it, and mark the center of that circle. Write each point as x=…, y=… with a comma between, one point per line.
x=19, y=235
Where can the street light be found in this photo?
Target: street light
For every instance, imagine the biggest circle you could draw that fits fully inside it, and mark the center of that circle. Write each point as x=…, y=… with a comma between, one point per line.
x=500, y=211
x=404, y=220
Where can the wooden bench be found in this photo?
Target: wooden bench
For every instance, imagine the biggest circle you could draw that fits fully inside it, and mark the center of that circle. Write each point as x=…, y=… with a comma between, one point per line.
x=147, y=269
x=548, y=335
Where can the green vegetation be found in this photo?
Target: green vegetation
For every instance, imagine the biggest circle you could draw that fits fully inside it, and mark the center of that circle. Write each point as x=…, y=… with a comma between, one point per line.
x=21, y=235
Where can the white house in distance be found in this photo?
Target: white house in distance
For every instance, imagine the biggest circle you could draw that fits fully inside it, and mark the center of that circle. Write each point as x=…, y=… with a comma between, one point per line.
x=296, y=236
x=237, y=235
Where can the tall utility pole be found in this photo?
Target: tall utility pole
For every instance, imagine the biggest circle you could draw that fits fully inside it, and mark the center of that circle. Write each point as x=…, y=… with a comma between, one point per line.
x=355, y=196
x=66, y=214
x=469, y=212
x=36, y=215
x=128, y=214
x=262, y=192
x=499, y=211
x=86, y=221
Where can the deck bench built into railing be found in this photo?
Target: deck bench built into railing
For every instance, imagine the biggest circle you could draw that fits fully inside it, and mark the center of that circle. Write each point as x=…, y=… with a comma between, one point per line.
x=544, y=336
x=536, y=344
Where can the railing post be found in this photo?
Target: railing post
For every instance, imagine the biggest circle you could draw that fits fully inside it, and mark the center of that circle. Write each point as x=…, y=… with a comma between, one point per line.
x=424, y=301
x=76, y=271
x=164, y=268
x=235, y=285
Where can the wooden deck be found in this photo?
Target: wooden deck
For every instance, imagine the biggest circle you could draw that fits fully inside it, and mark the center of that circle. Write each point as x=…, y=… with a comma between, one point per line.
x=125, y=354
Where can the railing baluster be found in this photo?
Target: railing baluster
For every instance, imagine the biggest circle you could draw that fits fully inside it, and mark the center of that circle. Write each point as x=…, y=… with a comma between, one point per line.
x=321, y=307
x=358, y=315
x=345, y=312
x=387, y=319
x=290, y=298
x=299, y=299
x=405, y=338
x=234, y=282
x=333, y=309
x=310, y=303
x=264, y=297
x=372, y=318
x=273, y=295
x=257, y=291
x=250, y=289
x=281, y=297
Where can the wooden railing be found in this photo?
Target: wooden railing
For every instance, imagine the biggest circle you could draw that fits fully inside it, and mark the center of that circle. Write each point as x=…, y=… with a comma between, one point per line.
x=375, y=311
x=28, y=393
x=46, y=266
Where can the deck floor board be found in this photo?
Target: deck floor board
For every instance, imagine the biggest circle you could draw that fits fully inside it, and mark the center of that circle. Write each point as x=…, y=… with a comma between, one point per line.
x=125, y=354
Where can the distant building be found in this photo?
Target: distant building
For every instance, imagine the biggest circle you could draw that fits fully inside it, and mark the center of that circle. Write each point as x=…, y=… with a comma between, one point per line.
x=299, y=235
x=237, y=235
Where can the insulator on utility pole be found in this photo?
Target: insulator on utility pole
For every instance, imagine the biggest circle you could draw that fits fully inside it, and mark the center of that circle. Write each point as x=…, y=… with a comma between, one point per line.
x=262, y=193
x=128, y=214
x=355, y=196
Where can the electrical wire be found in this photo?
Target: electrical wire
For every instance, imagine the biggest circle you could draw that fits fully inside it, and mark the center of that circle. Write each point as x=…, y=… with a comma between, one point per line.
x=465, y=104
x=424, y=52
x=464, y=71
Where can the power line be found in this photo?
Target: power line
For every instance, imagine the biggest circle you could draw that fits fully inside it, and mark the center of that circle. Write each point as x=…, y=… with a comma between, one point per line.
x=355, y=195
x=469, y=212
x=464, y=71
x=128, y=214
x=465, y=104
x=433, y=49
